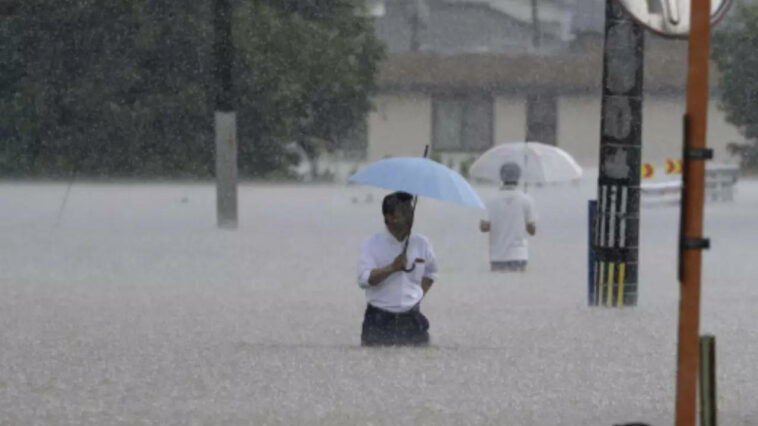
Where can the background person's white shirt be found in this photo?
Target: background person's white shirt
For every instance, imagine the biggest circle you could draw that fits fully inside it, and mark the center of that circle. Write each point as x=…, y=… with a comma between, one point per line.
x=400, y=291
x=508, y=216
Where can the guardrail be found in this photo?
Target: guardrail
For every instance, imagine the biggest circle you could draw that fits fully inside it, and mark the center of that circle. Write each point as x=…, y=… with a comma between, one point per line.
x=720, y=182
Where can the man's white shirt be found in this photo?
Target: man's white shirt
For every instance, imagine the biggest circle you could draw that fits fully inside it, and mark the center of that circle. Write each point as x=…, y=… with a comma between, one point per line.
x=508, y=216
x=400, y=291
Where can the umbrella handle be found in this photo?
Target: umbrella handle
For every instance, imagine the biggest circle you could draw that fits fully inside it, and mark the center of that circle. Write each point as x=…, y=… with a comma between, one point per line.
x=415, y=197
x=405, y=248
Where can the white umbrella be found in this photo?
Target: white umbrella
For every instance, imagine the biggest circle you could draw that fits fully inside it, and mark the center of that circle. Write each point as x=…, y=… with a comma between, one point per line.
x=540, y=163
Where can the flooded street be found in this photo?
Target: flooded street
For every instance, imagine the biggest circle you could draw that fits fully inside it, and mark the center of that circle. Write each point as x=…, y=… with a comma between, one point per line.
x=135, y=309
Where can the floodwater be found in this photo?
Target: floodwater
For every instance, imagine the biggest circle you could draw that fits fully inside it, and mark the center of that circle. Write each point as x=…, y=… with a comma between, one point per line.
x=129, y=306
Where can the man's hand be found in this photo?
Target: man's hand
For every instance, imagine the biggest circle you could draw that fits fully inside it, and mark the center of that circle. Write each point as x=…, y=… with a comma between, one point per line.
x=426, y=284
x=380, y=274
x=399, y=263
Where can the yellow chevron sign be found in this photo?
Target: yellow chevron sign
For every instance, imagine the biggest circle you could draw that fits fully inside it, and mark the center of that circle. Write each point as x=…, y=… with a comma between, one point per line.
x=673, y=167
x=647, y=170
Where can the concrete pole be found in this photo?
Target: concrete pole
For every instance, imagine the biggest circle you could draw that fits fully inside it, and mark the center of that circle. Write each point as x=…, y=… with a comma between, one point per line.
x=616, y=234
x=225, y=117
x=226, y=168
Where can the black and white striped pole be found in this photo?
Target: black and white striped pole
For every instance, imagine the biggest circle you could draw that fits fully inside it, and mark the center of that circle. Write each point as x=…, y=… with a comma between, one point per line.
x=616, y=232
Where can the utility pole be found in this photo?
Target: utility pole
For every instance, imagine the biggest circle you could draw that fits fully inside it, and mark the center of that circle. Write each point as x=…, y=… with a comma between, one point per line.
x=616, y=236
x=536, y=36
x=415, y=43
x=418, y=15
x=691, y=241
x=692, y=19
x=225, y=116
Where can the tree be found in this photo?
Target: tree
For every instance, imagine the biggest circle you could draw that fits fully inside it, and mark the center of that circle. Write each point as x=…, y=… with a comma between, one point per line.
x=105, y=88
x=314, y=60
x=735, y=47
x=125, y=88
x=8, y=7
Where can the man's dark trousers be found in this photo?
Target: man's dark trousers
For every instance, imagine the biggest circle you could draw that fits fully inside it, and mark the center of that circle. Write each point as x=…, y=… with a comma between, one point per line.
x=382, y=328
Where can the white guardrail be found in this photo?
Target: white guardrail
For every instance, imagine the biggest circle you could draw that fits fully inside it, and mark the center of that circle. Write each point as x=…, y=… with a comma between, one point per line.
x=720, y=182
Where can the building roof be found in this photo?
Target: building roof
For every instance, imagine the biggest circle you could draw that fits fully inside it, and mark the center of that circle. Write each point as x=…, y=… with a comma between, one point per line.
x=521, y=10
x=473, y=26
x=581, y=70
x=581, y=16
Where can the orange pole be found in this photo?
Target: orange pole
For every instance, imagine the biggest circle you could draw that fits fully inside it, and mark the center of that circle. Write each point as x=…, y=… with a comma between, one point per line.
x=692, y=217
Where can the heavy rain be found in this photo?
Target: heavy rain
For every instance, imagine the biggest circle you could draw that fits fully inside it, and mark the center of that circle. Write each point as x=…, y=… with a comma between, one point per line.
x=194, y=226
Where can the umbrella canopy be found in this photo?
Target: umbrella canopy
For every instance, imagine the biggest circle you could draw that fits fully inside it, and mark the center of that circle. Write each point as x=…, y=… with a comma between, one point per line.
x=421, y=177
x=540, y=163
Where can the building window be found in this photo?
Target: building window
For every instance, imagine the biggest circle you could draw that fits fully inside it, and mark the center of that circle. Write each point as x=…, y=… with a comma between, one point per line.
x=541, y=118
x=462, y=123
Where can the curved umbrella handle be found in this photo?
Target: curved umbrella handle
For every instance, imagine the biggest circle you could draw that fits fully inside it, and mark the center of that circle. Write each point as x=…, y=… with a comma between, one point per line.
x=405, y=248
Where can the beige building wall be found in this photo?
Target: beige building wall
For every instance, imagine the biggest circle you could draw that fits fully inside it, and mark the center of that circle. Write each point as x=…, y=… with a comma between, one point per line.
x=510, y=119
x=579, y=129
x=400, y=125
x=662, y=130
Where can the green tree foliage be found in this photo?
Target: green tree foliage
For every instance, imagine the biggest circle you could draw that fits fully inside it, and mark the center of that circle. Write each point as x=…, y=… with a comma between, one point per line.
x=735, y=52
x=314, y=61
x=125, y=88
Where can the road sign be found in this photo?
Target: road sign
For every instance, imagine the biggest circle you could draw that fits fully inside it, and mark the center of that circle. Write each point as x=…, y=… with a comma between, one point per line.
x=670, y=18
x=648, y=170
x=673, y=167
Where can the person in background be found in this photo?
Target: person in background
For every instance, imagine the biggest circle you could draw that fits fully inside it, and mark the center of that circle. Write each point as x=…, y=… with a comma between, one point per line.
x=511, y=219
x=396, y=277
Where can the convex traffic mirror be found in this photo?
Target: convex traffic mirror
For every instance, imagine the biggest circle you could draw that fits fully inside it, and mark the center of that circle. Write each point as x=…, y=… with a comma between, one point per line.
x=670, y=18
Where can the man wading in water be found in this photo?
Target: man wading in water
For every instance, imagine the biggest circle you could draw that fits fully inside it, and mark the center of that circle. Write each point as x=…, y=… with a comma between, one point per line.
x=396, y=268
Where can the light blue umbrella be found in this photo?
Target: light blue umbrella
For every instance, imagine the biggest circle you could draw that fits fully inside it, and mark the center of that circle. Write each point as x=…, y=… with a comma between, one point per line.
x=421, y=177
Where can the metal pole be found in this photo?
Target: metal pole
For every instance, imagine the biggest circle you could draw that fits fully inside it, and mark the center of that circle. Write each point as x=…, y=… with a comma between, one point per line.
x=618, y=198
x=535, y=25
x=692, y=242
x=225, y=117
x=591, y=211
x=415, y=43
x=708, y=407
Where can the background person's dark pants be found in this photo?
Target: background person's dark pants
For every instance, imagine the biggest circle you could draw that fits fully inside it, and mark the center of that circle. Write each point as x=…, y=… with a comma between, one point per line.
x=508, y=266
x=382, y=327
